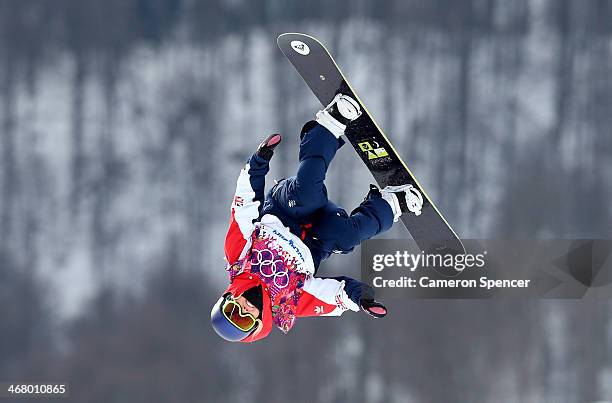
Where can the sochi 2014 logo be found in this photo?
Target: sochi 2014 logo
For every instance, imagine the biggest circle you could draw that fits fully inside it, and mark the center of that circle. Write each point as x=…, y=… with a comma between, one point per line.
x=270, y=266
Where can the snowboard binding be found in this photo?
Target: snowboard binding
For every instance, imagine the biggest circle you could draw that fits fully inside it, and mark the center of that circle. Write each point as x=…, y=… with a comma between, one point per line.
x=341, y=111
x=403, y=198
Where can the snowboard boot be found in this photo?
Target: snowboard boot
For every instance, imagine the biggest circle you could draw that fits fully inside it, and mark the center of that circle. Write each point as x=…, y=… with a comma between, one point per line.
x=340, y=111
x=403, y=198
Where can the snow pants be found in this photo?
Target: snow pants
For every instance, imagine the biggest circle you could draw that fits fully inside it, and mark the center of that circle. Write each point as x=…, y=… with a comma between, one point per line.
x=301, y=201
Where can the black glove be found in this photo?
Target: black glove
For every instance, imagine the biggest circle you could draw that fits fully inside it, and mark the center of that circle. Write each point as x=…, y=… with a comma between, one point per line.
x=373, y=308
x=266, y=148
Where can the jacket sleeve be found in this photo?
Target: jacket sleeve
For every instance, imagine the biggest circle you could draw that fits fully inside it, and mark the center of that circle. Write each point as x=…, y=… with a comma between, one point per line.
x=332, y=296
x=246, y=208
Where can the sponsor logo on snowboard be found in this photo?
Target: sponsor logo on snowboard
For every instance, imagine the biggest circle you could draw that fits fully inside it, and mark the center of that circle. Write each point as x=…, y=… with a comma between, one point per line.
x=300, y=47
x=373, y=150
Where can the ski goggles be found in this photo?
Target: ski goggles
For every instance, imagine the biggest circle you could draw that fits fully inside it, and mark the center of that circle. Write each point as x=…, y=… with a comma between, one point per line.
x=233, y=312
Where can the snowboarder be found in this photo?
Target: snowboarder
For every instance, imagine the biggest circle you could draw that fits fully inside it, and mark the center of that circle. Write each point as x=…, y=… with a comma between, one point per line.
x=275, y=243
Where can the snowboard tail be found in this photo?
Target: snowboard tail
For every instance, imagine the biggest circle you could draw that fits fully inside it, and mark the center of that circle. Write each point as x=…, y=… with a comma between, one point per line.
x=313, y=62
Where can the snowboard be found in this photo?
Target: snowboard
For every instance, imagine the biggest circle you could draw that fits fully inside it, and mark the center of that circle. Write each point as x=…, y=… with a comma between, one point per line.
x=427, y=226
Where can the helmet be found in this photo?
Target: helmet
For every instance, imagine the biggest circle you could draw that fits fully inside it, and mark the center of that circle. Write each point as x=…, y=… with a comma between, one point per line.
x=223, y=326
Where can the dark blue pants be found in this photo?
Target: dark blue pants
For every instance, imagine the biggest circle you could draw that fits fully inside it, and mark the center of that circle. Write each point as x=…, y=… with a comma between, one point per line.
x=301, y=202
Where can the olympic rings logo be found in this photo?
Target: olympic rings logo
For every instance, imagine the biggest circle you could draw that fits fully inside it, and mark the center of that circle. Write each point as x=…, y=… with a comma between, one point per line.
x=270, y=266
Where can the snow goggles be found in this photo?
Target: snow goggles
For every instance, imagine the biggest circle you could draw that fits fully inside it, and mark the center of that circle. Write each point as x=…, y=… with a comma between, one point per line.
x=233, y=313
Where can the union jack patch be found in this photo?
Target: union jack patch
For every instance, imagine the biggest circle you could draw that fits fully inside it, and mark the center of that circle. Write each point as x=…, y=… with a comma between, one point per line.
x=340, y=303
x=238, y=201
